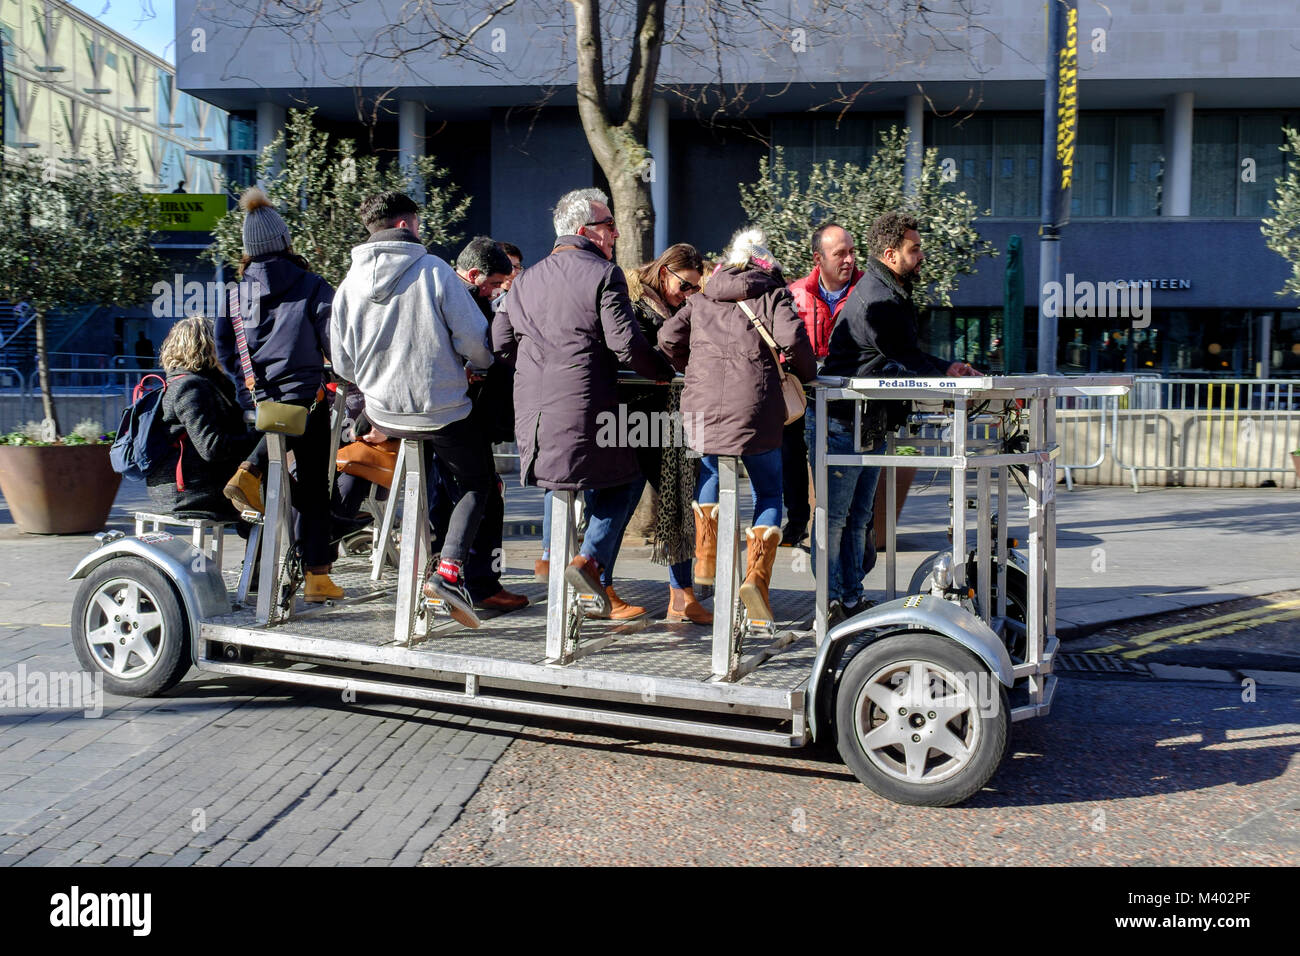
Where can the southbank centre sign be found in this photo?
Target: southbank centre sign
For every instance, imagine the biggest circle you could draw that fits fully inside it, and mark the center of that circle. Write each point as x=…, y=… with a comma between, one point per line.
x=190, y=212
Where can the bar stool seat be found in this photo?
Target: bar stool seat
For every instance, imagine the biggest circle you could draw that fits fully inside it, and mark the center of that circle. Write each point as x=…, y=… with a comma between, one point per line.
x=207, y=534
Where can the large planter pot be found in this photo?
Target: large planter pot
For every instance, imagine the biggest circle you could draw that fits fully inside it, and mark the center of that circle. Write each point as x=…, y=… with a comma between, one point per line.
x=905, y=479
x=1295, y=463
x=58, y=489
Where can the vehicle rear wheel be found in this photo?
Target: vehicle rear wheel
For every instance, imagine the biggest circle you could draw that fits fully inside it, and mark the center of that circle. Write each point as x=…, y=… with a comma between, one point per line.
x=128, y=624
x=920, y=720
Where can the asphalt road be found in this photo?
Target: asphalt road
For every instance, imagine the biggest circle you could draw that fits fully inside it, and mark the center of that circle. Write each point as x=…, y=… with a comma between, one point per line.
x=1125, y=771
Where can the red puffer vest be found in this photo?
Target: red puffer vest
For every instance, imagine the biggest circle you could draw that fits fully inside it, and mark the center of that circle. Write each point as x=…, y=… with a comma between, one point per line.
x=817, y=316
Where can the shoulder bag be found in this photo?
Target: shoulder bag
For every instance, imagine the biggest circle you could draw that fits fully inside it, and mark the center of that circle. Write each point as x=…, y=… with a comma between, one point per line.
x=271, y=416
x=796, y=402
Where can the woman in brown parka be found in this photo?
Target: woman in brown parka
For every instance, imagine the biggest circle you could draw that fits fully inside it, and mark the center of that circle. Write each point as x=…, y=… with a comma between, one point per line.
x=732, y=402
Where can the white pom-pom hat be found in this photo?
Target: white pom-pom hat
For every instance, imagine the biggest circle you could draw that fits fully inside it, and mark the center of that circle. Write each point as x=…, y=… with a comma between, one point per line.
x=750, y=245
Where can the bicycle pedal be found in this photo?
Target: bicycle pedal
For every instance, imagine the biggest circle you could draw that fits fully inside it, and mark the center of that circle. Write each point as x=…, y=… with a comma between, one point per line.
x=251, y=516
x=435, y=606
x=759, y=628
x=587, y=602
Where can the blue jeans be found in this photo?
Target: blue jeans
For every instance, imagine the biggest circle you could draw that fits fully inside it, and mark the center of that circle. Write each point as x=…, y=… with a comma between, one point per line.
x=608, y=511
x=764, y=481
x=850, y=506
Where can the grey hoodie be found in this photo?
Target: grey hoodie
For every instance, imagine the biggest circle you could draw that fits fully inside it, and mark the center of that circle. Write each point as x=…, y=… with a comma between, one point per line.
x=402, y=329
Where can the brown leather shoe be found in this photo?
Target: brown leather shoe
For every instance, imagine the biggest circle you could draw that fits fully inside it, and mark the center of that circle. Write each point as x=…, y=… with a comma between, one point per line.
x=619, y=610
x=683, y=606
x=541, y=570
x=503, y=600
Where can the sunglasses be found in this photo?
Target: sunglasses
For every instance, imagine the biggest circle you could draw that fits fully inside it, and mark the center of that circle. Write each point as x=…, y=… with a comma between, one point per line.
x=601, y=222
x=687, y=287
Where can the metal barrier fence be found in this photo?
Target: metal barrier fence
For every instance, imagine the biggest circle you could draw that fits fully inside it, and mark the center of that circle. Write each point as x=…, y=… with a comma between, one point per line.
x=95, y=394
x=1207, y=432
x=1195, y=432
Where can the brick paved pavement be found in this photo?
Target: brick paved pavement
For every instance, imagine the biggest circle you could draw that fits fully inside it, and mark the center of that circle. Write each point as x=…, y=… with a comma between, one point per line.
x=222, y=770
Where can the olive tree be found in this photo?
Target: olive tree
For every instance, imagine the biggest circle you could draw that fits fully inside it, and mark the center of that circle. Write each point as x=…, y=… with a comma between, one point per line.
x=1282, y=229
x=789, y=209
x=317, y=184
x=73, y=234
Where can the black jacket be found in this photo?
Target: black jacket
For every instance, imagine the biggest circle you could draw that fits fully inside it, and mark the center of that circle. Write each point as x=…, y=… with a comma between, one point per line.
x=208, y=433
x=876, y=334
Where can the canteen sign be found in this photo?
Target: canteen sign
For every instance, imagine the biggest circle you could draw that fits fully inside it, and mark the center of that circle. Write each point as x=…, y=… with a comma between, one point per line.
x=189, y=212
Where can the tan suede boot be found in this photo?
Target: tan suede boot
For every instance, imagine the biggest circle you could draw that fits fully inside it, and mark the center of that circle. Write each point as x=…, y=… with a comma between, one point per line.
x=683, y=606
x=706, y=542
x=763, y=541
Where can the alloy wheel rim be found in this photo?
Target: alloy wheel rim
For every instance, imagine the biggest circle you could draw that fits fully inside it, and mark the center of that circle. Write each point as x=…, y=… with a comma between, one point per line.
x=124, y=628
x=918, y=722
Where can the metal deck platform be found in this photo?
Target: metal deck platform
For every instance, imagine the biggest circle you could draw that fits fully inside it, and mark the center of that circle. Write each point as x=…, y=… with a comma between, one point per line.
x=646, y=661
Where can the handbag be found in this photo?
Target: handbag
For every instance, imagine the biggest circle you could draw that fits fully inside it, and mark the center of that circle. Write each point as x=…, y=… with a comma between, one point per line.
x=271, y=416
x=792, y=393
x=374, y=463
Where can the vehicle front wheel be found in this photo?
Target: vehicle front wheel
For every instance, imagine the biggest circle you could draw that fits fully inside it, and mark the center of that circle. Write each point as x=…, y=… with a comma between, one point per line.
x=920, y=720
x=128, y=624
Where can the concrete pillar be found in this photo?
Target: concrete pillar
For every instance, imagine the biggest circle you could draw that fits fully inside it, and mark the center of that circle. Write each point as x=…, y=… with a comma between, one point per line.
x=410, y=142
x=657, y=142
x=270, y=123
x=914, y=118
x=1176, y=194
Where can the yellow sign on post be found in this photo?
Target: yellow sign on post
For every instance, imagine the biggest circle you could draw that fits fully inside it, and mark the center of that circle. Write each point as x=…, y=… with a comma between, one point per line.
x=190, y=212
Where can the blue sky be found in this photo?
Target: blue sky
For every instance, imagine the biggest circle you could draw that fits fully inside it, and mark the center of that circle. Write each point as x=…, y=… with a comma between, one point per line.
x=150, y=23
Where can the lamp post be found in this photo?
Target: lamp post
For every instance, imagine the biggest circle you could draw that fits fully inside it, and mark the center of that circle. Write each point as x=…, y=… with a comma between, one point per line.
x=1060, y=119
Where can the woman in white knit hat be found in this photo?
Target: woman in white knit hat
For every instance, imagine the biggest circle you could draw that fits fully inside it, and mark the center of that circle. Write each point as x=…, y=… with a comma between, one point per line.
x=732, y=402
x=285, y=315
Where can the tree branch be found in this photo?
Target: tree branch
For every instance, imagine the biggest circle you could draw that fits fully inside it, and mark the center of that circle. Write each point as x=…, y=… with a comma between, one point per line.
x=644, y=65
x=593, y=107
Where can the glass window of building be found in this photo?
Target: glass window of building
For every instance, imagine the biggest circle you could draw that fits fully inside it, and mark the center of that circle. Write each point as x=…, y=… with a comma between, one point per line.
x=1260, y=161
x=243, y=131
x=1236, y=162
x=1090, y=194
x=805, y=140
x=164, y=98
x=1214, y=165
x=965, y=144
x=1138, y=149
x=1285, y=346
x=1018, y=150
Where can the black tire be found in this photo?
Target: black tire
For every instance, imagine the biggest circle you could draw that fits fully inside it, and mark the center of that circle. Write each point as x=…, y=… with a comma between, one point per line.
x=880, y=744
x=145, y=598
x=1017, y=601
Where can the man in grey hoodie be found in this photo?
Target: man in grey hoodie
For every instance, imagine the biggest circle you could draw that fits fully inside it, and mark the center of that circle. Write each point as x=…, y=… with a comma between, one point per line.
x=403, y=329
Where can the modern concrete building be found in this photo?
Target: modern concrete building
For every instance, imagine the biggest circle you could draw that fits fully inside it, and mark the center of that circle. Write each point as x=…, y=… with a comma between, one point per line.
x=75, y=91
x=74, y=87
x=1182, y=105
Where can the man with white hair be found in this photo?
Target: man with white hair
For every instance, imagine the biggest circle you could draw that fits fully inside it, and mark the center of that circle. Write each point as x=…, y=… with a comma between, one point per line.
x=567, y=327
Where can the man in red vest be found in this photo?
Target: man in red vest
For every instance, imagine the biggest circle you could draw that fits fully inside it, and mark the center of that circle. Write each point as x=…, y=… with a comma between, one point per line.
x=818, y=297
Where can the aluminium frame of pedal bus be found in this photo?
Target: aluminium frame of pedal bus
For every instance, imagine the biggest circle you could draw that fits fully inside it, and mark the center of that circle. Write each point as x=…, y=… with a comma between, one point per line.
x=773, y=694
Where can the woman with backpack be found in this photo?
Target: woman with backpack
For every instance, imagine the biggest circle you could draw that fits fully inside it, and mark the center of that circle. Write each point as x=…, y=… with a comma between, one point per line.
x=203, y=422
x=732, y=403
x=284, y=311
